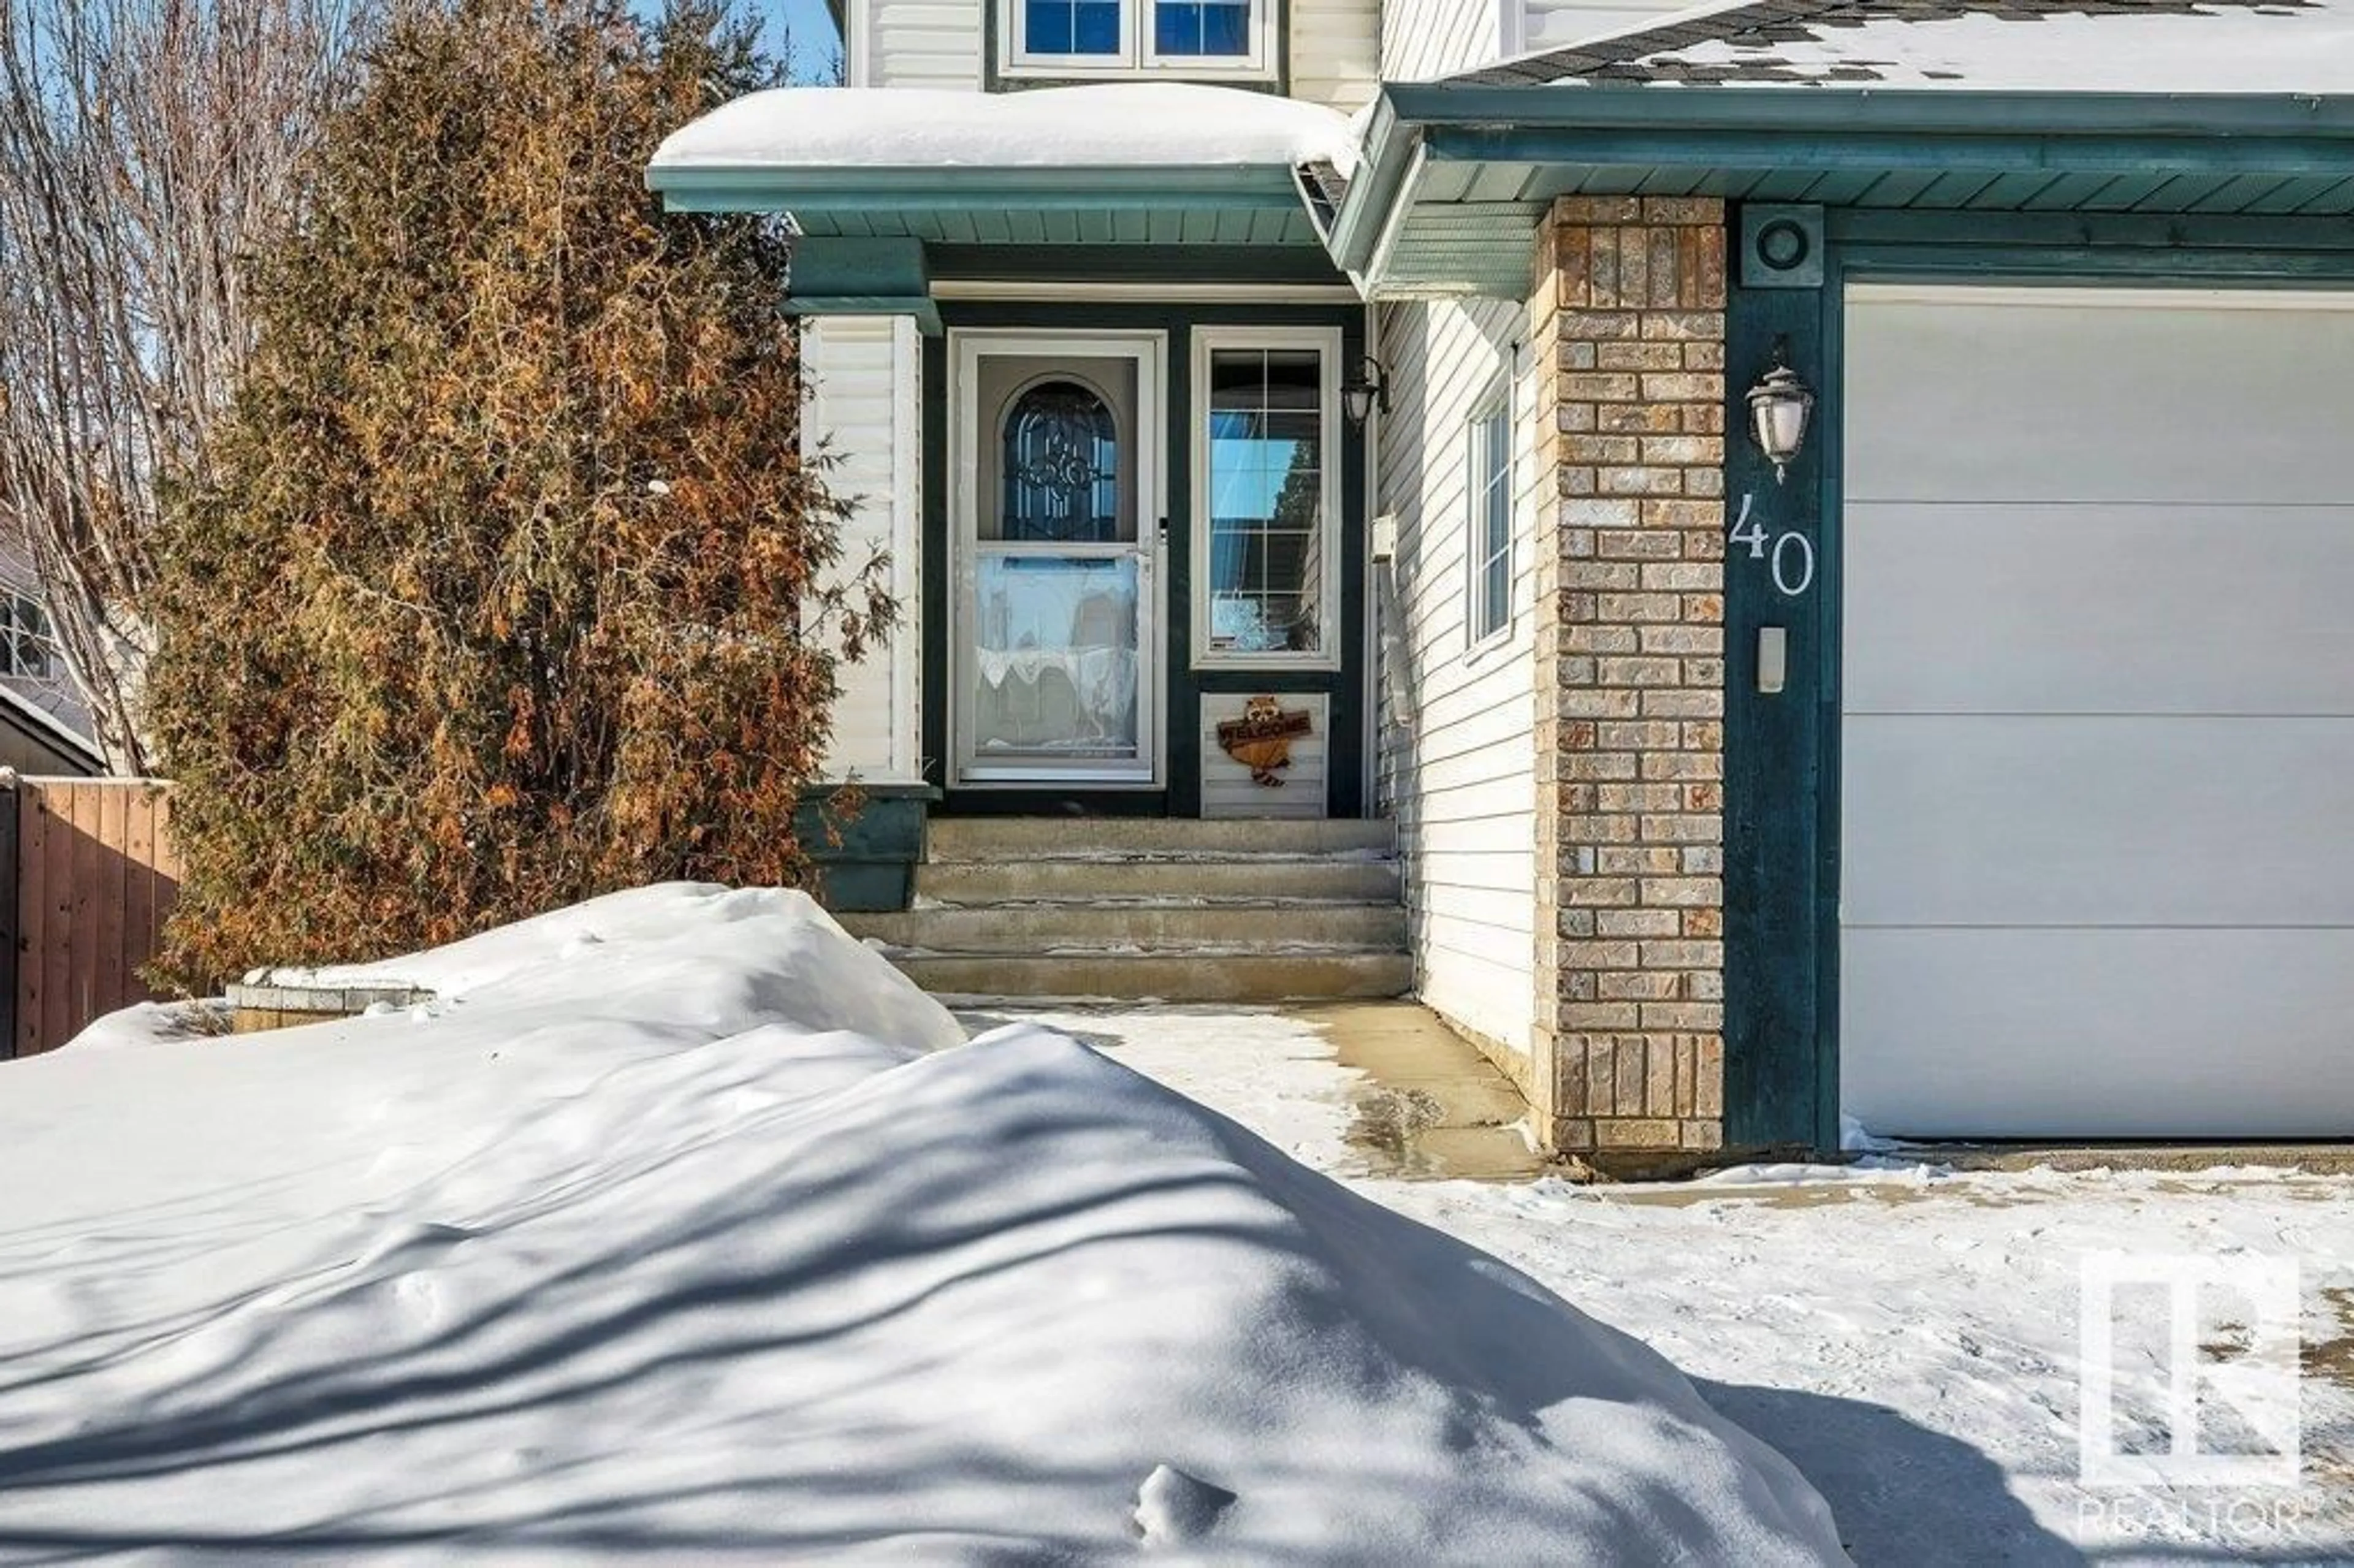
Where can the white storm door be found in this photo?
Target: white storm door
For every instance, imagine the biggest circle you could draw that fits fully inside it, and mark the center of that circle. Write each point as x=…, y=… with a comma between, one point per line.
x=1056, y=500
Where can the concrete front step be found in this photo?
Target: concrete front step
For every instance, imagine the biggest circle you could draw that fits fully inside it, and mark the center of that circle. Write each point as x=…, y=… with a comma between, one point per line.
x=992, y=839
x=1054, y=927
x=1161, y=977
x=1089, y=881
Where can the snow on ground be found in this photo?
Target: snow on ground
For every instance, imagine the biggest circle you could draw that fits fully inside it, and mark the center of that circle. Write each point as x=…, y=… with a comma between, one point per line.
x=672, y=1227
x=1910, y=1338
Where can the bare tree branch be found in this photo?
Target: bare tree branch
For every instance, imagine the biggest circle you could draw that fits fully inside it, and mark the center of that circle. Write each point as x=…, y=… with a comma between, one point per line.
x=147, y=147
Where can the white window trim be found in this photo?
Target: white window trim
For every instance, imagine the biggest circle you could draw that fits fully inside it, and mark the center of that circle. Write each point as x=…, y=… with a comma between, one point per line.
x=1137, y=57
x=857, y=48
x=1325, y=342
x=1477, y=475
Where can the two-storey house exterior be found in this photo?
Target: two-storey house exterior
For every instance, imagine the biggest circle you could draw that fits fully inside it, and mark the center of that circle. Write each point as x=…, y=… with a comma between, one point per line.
x=1823, y=522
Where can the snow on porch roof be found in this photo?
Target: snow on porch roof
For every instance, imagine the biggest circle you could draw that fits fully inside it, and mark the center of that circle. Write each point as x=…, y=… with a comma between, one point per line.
x=2178, y=47
x=1113, y=126
x=1122, y=164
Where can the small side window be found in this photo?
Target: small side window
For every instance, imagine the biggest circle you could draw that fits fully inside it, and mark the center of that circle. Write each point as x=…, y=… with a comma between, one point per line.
x=25, y=645
x=1488, y=551
x=1085, y=30
x=1083, y=39
x=1193, y=29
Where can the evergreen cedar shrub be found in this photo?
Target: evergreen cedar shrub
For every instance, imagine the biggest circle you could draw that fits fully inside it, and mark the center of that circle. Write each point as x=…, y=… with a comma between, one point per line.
x=511, y=585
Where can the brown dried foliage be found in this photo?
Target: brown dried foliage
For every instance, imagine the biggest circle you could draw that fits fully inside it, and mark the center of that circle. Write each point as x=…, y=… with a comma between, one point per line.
x=513, y=585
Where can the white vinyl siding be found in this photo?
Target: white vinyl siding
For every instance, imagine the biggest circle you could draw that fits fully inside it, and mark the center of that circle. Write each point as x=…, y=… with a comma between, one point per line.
x=1336, y=52
x=1227, y=788
x=1425, y=40
x=1532, y=25
x=2097, y=875
x=1456, y=756
x=863, y=408
x=919, y=43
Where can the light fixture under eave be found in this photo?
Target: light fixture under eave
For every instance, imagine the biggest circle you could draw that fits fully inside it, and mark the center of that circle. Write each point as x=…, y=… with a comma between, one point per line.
x=1779, y=407
x=1365, y=391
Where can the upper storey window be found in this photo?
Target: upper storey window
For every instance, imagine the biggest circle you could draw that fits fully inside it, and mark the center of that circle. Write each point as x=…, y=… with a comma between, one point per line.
x=1078, y=39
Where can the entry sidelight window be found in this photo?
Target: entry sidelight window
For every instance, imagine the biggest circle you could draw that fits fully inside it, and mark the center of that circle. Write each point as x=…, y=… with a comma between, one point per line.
x=1268, y=455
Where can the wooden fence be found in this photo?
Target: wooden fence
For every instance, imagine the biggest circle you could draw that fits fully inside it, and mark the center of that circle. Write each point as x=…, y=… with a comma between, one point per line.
x=94, y=875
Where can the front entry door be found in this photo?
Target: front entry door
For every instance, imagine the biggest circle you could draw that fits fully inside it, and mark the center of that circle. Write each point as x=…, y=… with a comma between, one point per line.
x=1056, y=506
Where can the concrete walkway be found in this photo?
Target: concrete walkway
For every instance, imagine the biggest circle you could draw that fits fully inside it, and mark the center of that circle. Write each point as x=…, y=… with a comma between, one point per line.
x=1410, y=1098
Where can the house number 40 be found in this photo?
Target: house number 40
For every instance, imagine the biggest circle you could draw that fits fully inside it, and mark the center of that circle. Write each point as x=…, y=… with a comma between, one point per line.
x=1792, y=555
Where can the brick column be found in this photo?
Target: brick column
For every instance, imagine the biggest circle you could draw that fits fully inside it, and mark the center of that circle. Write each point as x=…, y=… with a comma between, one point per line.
x=1630, y=683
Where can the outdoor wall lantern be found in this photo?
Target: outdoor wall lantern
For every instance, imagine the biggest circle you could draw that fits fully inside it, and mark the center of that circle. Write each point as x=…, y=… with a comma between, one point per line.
x=1779, y=406
x=1365, y=391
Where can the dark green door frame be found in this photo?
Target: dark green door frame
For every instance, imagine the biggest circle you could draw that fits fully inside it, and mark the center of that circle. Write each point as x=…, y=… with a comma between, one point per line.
x=1782, y=751
x=1347, y=689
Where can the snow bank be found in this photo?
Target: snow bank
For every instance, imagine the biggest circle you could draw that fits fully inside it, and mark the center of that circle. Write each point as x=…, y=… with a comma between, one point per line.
x=677, y=953
x=684, y=1242
x=1120, y=125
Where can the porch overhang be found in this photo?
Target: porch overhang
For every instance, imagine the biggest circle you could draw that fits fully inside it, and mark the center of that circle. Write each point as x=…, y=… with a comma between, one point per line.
x=1456, y=176
x=884, y=187
x=1172, y=205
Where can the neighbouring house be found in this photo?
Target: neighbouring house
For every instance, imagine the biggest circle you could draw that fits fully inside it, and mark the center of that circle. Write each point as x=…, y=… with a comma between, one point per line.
x=31, y=667
x=1425, y=389
x=44, y=723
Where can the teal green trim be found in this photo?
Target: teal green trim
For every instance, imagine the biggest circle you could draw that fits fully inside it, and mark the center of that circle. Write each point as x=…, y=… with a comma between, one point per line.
x=1500, y=154
x=1780, y=110
x=1103, y=231
x=1374, y=191
x=845, y=268
x=1134, y=264
x=864, y=859
x=2110, y=249
x=1829, y=675
x=1775, y=745
x=1884, y=152
x=1783, y=753
x=841, y=277
x=2114, y=234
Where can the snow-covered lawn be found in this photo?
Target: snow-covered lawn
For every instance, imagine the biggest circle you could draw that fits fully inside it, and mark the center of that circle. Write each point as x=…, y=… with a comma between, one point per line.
x=1909, y=1337
x=674, y=1229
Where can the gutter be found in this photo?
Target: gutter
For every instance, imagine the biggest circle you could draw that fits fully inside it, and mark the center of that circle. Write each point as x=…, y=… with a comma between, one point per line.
x=770, y=187
x=1585, y=125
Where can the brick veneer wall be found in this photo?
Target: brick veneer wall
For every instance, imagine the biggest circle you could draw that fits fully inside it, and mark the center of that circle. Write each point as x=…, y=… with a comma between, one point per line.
x=1630, y=681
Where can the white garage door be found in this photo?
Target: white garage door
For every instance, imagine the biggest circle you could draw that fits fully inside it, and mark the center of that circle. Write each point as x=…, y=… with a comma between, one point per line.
x=2098, y=781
